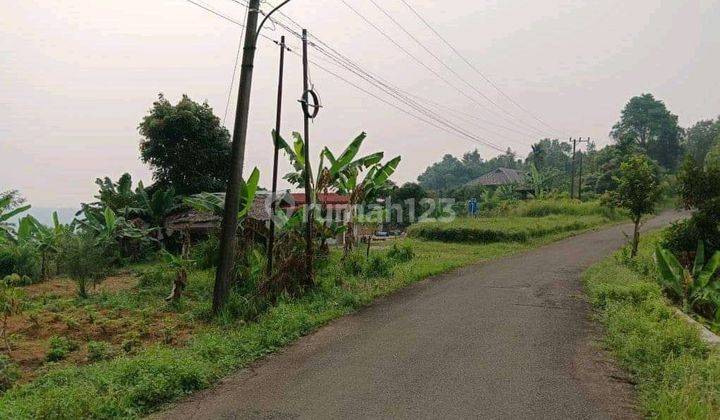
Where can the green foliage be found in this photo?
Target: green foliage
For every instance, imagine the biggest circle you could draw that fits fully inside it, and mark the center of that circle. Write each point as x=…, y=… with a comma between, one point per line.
x=9, y=373
x=22, y=259
x=9, y=208
x=638, y=187
x=99, y=350
x=712, y=160
x=452, y=172
x=206, y=253
x=353, y=263
x=697, y=288
x=675, y=371
x=510, y=229
x=402, y=253
x=83, y=261
x=699, y=190
x=155, y=275
x=647, y=123
x=701, y=138
x=60, y=347
x=378, y=265
x=186, y=146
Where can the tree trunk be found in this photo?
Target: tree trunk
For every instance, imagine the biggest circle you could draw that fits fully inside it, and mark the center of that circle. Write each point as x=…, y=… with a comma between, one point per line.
x=636, y=238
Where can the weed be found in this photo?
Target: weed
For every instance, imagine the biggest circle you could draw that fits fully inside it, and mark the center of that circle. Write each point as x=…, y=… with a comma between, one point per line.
x=377, y=265
x=99, y=350
x=60, y=347
x=402, y=253
x=9, y=373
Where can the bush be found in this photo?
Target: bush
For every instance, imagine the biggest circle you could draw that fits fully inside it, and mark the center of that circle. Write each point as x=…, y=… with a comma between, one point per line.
x=9, y=373
x=17, y=280
x=205, y=253
x=377, y=265
x=156, y=275
x=60, y=347
x=402, y=253
x=23, y=260
x=99, y=350
x=83, y=260
x=353, y=264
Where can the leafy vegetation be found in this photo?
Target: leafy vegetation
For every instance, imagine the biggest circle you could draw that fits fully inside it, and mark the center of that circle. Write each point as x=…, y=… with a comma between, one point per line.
x=675, y=371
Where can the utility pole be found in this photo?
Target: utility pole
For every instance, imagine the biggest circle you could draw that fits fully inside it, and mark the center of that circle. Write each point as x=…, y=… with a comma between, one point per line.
x=228, y=232
x=572, y=181
x=309, y=209
x=580, y=177
x=278, y=114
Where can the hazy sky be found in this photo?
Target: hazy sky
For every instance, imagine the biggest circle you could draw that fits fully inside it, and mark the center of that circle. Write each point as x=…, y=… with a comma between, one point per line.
x=76, y=76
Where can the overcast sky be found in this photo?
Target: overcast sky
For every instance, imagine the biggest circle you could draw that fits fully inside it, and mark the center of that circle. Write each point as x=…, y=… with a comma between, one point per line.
x=76, y=77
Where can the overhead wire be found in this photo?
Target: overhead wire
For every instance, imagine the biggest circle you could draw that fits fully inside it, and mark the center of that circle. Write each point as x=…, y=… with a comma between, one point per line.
x=430, y=69
x=445, y=65
x=438, y=122
x=473, y=67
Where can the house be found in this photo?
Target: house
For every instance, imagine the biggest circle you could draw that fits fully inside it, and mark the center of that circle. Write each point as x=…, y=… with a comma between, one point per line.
x=500, y=177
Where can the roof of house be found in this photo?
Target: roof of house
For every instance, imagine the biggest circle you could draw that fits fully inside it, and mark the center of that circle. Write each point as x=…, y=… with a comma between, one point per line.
x=501, y=176
x=328, y=199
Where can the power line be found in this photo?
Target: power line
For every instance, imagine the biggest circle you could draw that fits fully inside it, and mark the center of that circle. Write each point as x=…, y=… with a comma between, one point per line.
x=421, y=63
x=439, y=122
x=443, y=63
x=237, y=59
x=472, y=66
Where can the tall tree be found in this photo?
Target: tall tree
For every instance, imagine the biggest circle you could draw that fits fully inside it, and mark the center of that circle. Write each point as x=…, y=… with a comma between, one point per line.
x=701, y=137
x=186, y=146
x=647, y=122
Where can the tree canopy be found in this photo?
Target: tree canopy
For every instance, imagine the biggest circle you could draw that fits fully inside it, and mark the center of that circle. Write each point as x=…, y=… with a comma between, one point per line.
x=186, y=146
x=648, y=123
x=701, y=138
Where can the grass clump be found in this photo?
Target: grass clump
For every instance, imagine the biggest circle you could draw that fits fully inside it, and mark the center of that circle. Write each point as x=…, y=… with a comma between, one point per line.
x=99, y=350
x=9, y=373
x=678, y=375
x=60, y=347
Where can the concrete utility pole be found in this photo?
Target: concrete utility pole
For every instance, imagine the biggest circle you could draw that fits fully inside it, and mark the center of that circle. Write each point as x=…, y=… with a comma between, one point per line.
x=580, y=177
x=278, y=114
x=228, y=232
x=572, y=180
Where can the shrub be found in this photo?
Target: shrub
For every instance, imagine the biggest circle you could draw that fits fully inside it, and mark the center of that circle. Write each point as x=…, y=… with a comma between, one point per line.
x=17, y=280
x=353, y=264
x=377, y=265
x=23, y=260
x=83, y=260
x=99, y=350
x=9, y=372
x=156, y=275
x=60, y=347
x=402, y=253
x=205, y=253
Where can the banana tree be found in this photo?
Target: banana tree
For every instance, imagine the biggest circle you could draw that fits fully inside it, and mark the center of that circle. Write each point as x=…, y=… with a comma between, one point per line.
x=43, y=238
x=119, y=196
x=694, y=287
x=212, y=203
x=7, y=231
x=156, y=208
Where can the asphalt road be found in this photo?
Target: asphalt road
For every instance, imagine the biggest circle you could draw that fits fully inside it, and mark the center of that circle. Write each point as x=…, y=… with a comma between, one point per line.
x=511, y=338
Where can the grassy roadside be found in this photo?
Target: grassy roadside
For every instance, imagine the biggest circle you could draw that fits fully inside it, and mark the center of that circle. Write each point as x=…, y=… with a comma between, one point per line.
x=677, y=374
x=133, y=385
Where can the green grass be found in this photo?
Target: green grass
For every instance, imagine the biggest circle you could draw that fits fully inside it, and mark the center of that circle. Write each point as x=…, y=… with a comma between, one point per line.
x=502, y=229
x=677, y=374
x=541, y=208
x=133, y=385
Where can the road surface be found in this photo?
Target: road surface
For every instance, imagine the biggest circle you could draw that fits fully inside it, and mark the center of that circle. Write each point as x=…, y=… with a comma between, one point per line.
x=510, y=338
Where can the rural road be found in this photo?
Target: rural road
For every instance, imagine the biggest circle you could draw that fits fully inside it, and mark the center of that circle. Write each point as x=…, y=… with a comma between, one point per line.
x=510, y=338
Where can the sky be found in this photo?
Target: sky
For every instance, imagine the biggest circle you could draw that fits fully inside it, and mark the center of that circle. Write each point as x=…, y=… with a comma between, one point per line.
x=77, y=76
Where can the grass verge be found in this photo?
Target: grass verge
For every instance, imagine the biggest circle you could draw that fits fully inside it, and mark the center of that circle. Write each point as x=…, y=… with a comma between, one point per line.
x=502, y=229
x=132, y=385
x=677, y=374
